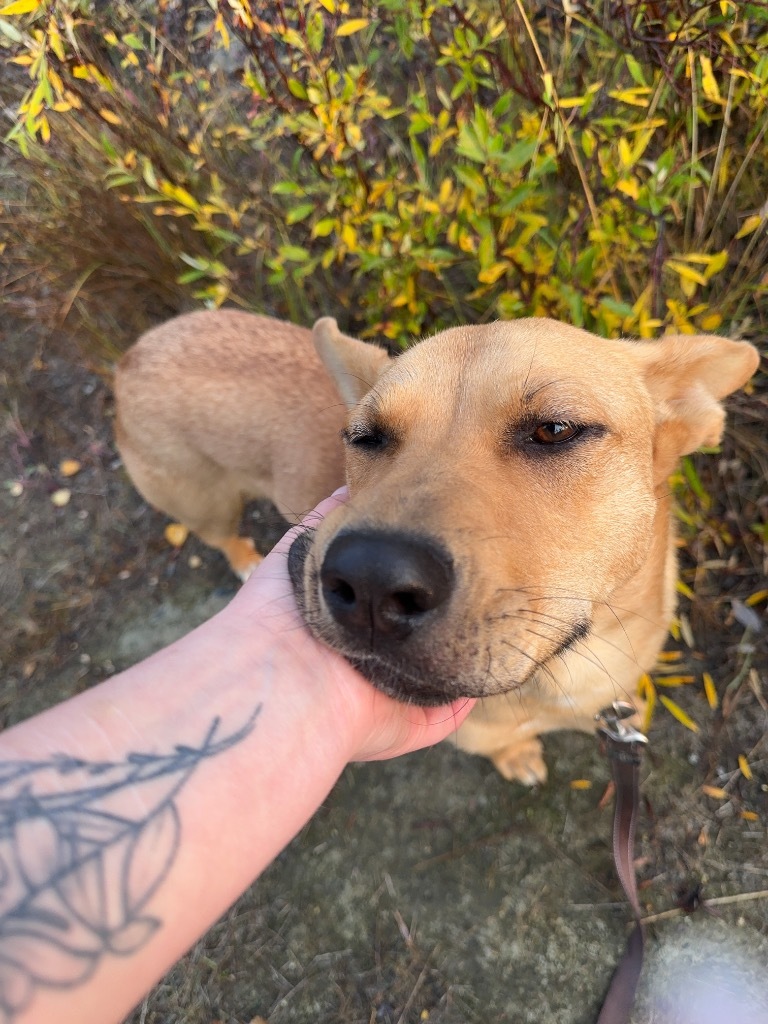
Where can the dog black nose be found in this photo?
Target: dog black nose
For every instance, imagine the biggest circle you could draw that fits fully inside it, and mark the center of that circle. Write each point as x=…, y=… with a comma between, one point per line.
x=384, y=584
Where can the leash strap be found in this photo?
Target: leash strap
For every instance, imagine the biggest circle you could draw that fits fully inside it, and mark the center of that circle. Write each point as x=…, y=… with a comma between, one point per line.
x=623, y=745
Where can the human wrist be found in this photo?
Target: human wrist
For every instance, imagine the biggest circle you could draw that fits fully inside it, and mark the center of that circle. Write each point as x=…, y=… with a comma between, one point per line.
x=268, y=640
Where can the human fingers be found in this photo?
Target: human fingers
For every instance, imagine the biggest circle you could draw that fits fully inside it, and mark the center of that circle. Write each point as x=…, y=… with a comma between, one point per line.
x=395, y=729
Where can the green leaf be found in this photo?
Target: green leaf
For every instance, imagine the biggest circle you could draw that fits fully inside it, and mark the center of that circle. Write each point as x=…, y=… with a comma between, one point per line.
x=486, y=252
x=517, y=156
x=293, y=253
x=299, y=213
x=468, y=144
x=323, y=227
x=287, y=188
x=517, y=196
x=297, y=89
x=471, y=178
x=622, y=309
x=9, y=30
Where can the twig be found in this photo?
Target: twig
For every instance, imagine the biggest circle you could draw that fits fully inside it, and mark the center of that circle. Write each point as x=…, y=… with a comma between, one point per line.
x=716, y=901
x=694, y=154
x=419, y=982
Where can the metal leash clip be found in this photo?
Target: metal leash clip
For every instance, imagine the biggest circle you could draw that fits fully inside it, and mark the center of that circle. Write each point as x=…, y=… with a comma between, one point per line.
x=612, y=724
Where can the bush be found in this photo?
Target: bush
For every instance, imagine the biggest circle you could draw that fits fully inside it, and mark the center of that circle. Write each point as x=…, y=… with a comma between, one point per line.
x=407, y=164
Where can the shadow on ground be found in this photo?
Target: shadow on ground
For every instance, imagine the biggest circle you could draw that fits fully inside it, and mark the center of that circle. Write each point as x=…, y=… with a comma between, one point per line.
x=427, y=888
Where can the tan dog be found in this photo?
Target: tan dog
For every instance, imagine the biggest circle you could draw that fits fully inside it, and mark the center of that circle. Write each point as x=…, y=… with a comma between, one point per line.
x=217, y=408
x=508, y=534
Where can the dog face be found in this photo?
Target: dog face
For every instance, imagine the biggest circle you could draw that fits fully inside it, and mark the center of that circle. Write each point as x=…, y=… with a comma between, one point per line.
x=504, y=483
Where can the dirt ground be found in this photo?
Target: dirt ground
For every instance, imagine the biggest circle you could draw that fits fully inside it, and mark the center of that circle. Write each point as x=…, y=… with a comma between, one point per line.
x=426, y=889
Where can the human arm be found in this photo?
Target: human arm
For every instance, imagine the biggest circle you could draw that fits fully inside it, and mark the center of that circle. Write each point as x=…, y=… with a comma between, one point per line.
x=136, y=813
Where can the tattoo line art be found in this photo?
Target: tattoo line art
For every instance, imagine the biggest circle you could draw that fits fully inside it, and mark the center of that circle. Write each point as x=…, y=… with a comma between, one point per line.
x=77, y=869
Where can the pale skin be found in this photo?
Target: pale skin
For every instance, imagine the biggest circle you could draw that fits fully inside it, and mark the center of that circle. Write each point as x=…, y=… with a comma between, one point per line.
x=182, y=778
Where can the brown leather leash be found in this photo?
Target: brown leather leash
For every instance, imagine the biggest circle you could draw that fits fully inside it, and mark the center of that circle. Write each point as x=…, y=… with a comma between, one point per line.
x=623, y=745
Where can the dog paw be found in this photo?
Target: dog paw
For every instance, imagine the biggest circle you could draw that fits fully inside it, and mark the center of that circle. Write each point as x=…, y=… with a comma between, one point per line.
x=243, y=557
x=522, y=762
x=247, y=571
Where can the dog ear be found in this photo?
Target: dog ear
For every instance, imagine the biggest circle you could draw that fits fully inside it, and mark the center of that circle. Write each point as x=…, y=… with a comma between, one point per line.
x=354, y=365
x=687, y=376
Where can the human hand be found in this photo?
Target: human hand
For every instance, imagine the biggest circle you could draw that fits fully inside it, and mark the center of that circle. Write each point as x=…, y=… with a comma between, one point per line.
x=373, y=725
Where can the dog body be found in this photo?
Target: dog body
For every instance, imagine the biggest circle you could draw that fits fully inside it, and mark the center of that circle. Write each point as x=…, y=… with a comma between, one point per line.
x=508, y=534
x=218, y=408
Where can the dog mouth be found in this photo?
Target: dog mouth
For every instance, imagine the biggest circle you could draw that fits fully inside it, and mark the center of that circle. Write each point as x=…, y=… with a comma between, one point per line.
x=397, y=672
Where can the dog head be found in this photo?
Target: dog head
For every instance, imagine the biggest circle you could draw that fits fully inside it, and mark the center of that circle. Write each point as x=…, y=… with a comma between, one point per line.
x=504, y=481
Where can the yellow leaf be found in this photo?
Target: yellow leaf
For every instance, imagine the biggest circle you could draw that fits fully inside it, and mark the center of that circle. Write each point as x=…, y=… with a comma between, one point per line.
x=180, y=195
x=746, y=771
x=634, y=97
x=492, y=273
x=629, y=186
x=667, y=656
x=350, y=27
x=349, y=237
x=109, y=116
x=685, y=272
x=750, y=224
x=708, y=80
x=677, y=712
x=20, y=7
x=715, y=792
x=581, y=784
x=61, y=497
x=644, y=684
x=625, y=153
x=329, y=5
x=176, y=534
x=710, y=690
x=55, y=40
x=685, y=590
x=715, y=263
x=675, y=680
x=221, y=28
x=711, y=321
x=750, y=816
x=756, y=598
x=68, y=467
x=647, y=691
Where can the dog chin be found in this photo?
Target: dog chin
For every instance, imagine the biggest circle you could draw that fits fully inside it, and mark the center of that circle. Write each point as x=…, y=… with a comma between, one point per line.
x=404, y=688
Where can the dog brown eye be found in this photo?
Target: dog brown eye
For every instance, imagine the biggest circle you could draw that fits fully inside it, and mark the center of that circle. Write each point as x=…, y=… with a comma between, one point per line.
x=369, y=438
x=555, y=433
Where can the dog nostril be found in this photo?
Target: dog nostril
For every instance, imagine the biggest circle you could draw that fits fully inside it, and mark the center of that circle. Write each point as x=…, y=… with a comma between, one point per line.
x=412, y=602
x=342, y=591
